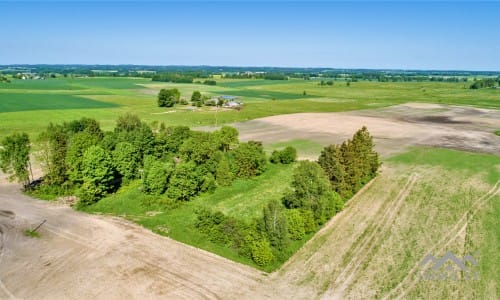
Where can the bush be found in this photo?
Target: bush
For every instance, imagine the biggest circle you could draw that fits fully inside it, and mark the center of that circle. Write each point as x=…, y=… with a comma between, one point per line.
x=210, y=82
x=262, y=254
x=285, y=156
x=296, y=229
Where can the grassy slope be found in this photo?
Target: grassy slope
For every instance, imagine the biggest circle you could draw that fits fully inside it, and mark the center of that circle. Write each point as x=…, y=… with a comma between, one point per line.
x=244, y=200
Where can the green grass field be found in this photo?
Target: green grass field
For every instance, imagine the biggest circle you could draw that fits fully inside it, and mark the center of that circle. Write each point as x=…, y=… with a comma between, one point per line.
x=29, y=105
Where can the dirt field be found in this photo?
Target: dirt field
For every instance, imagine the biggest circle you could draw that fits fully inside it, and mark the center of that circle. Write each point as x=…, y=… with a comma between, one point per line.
x=361, y=253
x=81, y=256
x=394, y=128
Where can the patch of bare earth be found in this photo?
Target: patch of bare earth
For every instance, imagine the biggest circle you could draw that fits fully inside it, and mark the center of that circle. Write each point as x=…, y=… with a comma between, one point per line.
x=394, y=128
x=81, y=256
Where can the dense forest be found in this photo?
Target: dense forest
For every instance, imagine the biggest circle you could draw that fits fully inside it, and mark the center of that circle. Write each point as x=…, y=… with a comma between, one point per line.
x=179, y=163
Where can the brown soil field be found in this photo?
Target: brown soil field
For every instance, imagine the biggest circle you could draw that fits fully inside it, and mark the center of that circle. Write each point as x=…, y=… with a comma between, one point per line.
x=394, y=128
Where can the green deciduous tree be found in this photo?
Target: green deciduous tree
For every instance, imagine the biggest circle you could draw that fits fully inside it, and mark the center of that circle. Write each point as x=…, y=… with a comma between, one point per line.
x=274, y=225
x=184, y=182
x=78, y=144
x=127, y=160
x=98, y=175
x=14, y=157
x=200, y=147
x=249, y=159
x=311, y=191
x=156, y=176
x=197, y=99
x=227, y=137
x=53, y=153
x=168, y=97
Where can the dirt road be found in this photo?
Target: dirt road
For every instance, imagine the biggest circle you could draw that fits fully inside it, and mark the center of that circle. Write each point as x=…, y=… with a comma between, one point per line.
x=83, y=256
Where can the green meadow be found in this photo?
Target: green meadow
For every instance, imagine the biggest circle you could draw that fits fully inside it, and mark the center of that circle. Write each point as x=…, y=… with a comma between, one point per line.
x=30, y=105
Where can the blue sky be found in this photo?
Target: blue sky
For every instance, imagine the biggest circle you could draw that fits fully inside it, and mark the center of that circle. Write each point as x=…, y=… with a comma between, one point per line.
x=402, y=35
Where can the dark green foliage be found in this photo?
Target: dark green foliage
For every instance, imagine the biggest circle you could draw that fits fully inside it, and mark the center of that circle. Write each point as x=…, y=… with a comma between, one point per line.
x=210, y=82
x=311, y=191
x=200, y=147
x=197, y=99
x=262, y=254
x=352, y=164
x=168, y=97
x=14, y=157
x=274, y=225
x=126, y=160
x=99, y=176
x=78, y=144
x=223, y=174
x=224, y=230
x=330, y=160
x=227, y=137
x=184, y=182
x=87, y=125
x=249, y=159
x=170, y=139
x=285, y=156
x=295, y=222
x=483, y=83
x=156, y=176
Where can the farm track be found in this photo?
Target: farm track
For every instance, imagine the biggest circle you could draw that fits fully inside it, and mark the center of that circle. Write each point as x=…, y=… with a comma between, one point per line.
x=458, y=228
x=365, y=247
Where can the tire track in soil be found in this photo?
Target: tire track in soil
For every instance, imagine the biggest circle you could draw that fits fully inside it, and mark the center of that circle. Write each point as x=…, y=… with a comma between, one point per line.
x=458, y=228
x=4, y=292
x=200, y=290
x=364, y=248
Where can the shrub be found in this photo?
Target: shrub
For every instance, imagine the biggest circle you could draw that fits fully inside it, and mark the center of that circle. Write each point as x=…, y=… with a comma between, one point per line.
x=262, y=254
x=285, y=156
x=296, y=229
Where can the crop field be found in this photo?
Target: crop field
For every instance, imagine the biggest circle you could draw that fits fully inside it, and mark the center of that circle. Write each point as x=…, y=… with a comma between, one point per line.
x=40, y=101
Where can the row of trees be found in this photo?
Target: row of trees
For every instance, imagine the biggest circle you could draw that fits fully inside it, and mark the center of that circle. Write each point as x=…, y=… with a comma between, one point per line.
x=78, y=157
x=170, y=97
x=317, y=192
x=485, y=83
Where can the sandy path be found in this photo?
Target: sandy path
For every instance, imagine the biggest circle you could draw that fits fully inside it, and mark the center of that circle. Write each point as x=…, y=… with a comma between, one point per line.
x=85, y=257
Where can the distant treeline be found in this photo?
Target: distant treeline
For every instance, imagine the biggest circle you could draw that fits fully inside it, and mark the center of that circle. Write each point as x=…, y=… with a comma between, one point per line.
x=485, y=83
